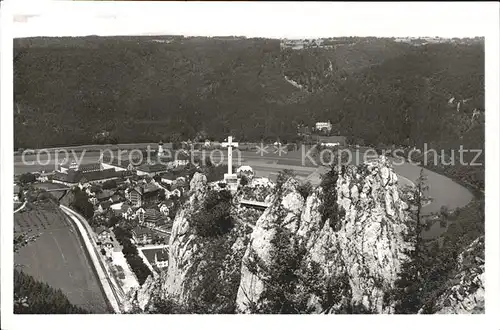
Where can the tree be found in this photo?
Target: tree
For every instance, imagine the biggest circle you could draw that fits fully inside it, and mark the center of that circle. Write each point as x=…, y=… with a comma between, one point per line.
x=282, y=177
x=161, y=195
x=214, y=219
x=34, y=297
x=208, y=162
x=329, y=207
x=243, y=181
x=123, y=236
x=214, y=173
x=282, y=294
x=305, y=189
x=110, y=184
x=290, y=280
x=26, y=178
x=81, y=203
x=114, y=220
x=22, y=240
x=408, y=292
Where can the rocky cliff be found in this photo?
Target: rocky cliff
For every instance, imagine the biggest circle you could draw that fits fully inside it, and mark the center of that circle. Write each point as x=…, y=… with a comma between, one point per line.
x=199, y=267
x=363, y=247
x=338, y=249
x=465, y=292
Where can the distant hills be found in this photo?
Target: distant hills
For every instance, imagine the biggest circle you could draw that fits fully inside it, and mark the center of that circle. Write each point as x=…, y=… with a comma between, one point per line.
x=134, y=89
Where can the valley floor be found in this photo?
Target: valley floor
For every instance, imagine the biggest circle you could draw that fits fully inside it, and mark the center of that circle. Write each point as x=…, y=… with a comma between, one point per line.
x=58, y=258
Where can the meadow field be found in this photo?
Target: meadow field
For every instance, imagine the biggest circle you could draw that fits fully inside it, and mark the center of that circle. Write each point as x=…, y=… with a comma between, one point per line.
x=58, y=257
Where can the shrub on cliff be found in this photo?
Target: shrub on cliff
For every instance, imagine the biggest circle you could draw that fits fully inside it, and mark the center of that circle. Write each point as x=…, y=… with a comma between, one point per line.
x=282, y=177
x=214, y=218
x=329, y=208
x=305, y=189
x=243, y=181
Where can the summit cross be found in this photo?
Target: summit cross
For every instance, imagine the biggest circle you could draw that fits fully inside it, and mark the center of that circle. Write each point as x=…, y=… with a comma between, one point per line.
x=229, y=145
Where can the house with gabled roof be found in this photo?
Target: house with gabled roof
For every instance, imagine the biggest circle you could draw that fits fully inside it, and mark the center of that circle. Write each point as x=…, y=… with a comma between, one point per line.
x=103, y=207
x=142, y=235
x=115, y=199
x=165, y=207
x=151, y=169
x=152, y=217
x=102, y=233
x=127, y=212
x=104, y=195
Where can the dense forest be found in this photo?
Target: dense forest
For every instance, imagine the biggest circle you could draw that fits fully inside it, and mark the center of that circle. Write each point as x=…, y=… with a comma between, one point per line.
x=34, y=297
x=71, y=91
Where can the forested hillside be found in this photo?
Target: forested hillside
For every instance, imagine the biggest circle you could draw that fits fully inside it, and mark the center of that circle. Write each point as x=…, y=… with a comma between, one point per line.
x=68, y=90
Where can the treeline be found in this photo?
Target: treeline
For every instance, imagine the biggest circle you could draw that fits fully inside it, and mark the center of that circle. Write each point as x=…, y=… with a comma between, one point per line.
x=34, y=297
x=130, y=252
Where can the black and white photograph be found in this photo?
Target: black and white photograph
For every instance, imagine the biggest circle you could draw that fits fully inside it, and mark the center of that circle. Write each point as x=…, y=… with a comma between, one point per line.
x=249, y=158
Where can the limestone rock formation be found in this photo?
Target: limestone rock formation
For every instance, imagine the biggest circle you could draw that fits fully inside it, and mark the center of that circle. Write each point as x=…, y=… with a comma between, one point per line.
x=366, y=245
x=185, y=279
x=349, y=250
x=284, y=211
x=371, y=236
x=465, y=295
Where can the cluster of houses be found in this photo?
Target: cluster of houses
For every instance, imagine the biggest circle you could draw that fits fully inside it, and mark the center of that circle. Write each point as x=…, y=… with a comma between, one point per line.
x=147, y=201
x=143, y=194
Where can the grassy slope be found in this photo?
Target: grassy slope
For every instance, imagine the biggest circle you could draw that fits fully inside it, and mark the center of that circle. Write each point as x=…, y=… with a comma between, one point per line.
x=57, y=259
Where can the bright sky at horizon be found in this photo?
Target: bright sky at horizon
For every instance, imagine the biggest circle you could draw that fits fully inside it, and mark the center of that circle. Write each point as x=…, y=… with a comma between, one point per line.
x=251, y=19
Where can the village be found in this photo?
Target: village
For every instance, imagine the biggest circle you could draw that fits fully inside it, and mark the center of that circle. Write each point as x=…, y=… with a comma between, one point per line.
x=130, y=209
x=127, y=205
x=319, y=164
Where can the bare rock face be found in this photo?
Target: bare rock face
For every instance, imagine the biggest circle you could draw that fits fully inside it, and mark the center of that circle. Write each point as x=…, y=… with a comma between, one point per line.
x=466, y=293
x=370, y=240
x=365, y=245
x=140, y=299
x=183, y=251
x=195, y=260
x=144, y=293
x=184, y=246
x=284, y=211
x=352, y=248
x=198, y=183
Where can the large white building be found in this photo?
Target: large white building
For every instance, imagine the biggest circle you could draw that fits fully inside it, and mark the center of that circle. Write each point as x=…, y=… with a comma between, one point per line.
x=323, y=126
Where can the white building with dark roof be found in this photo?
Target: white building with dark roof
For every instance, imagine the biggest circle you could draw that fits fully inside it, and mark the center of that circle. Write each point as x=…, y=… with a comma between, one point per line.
x=324, y=126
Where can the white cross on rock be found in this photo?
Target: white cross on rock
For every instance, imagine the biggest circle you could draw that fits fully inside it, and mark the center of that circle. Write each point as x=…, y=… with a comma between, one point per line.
x=230, y=178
